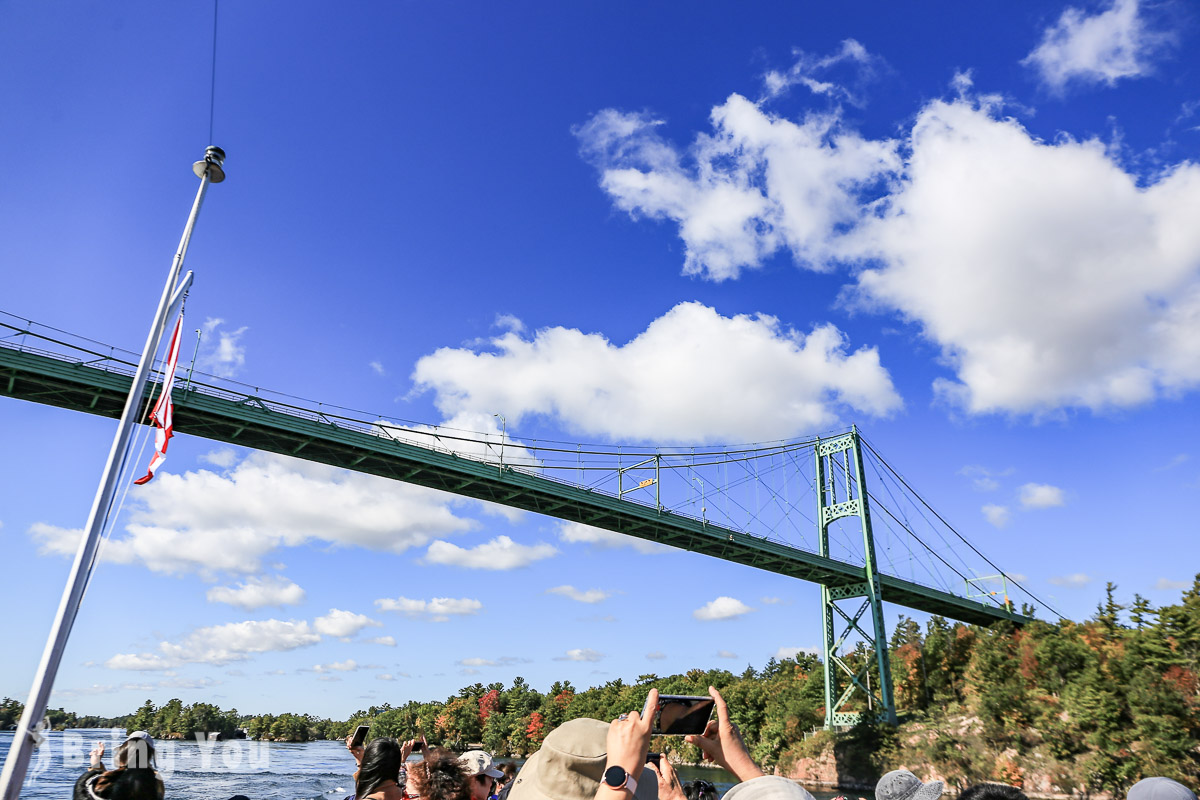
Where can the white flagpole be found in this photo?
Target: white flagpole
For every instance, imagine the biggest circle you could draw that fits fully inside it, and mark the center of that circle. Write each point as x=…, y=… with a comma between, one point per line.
x=27, y=737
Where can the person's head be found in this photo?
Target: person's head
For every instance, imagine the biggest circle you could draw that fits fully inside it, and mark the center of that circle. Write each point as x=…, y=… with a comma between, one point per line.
x=992, y=791
x=381, y=762
x=136, y=752
x=768, y=787
x=481, y=773
x=900, y=784
x=1160, y=789
x=134, y=777
x=700, y=790
x=571, y=764
x=441, y=776
x=509, y=768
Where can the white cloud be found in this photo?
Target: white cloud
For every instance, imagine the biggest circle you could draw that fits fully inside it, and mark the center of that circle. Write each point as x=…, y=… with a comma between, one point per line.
x=1168, y=585
x=726, y=654
x=258, y=592
x=577, y=533
x=807, y=67
x=377, y=368
x=222, y=458
x=501, y=553
x=998, y=516
x=984, y=479
x=1100, y=48
x=775, y=381
x=221, y=644
x=589, y=596
x=207, y=522
x=1179, y=459
x=1073, y=581
x=349, y=665
x=477, y=662
x=141, y=662
x=581, y=654
x=1041, y=495
x=439, y=609
x=386, y=676
x=721, y=608
x=760, y=183
x=343, y=624
x=791, y=652
x=657, y=655
x=509, y=322
x=770, y=601
x=227, y=355
x=188, y=683
x=386, y=641
x=1047, y=275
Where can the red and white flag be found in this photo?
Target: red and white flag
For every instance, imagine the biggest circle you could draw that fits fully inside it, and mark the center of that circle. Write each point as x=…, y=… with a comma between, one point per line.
x=163, y=415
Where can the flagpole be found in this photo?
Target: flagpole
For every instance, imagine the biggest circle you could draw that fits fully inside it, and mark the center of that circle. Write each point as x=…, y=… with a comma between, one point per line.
x=27, y=736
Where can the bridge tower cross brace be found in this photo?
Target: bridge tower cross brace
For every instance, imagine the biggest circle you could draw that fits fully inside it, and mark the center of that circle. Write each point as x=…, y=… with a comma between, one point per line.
x=841, y=457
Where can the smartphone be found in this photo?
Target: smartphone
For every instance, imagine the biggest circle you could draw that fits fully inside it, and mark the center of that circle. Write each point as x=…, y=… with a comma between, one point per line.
x=654, y=758
x=679, y=715
x=360, y=735
x=418, y=747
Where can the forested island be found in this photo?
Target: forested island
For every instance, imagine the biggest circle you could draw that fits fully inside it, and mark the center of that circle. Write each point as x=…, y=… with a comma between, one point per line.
x=1068, y=708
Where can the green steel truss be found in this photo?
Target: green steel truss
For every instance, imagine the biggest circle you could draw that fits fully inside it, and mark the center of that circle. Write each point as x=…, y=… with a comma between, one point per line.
x=99, y=387
x=843, y=456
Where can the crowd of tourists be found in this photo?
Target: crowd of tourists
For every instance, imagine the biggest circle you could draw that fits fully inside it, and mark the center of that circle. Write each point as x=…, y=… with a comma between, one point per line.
x=582, y=759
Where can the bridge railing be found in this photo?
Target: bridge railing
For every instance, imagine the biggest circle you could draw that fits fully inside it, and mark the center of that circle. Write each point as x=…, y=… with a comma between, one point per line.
x=765, y=490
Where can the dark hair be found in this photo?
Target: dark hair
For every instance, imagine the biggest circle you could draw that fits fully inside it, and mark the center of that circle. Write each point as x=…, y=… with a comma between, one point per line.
x=441, y=776
x=509, y=768
x=134, y=777
x=138, y=751
x=992, y=791
x=699, y=790
x=381, y=762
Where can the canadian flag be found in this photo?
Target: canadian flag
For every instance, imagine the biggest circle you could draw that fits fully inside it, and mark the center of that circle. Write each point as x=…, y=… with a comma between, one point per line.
x=163, y=415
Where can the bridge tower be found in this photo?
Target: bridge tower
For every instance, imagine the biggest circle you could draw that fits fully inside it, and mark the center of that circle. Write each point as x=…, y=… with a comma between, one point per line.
x=841, y=492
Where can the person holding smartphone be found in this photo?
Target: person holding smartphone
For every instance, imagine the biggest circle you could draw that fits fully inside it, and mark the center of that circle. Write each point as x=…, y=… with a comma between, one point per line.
x=379, y=764
x=133, y=777
x=722, y=744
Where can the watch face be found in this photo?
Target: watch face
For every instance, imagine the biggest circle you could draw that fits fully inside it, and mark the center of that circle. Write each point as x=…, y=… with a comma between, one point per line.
x=615, y=776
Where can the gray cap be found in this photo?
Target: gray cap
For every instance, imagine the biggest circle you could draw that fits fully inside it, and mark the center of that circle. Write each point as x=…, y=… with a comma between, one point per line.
x=1160, y=789
x=145, y=737
x=900, y=784
x=768, y=787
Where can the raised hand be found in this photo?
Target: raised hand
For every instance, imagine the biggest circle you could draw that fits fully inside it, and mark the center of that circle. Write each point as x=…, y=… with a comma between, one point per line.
x=629, y=739
x=357, y=752
x=722, y=742
x=669, y=787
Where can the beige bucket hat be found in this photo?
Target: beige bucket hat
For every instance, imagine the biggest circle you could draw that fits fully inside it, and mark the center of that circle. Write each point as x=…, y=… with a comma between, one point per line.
x=571, y=765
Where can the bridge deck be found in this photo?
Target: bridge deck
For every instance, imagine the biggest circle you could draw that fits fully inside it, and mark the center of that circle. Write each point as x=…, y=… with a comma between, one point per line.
x=220, y=415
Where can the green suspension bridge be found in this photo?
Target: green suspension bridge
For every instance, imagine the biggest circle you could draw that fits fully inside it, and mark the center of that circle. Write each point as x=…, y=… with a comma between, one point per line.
x=828, y=510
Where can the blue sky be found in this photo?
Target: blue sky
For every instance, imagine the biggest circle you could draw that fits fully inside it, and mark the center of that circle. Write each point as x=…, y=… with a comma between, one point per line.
x=970, y=231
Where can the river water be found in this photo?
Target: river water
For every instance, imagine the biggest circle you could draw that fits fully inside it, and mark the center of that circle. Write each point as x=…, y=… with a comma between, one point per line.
x=219, y=770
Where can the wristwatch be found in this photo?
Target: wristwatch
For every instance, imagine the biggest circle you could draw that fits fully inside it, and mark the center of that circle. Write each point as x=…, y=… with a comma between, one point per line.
x=615, y=777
